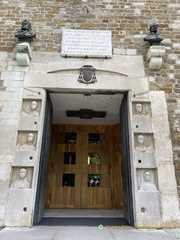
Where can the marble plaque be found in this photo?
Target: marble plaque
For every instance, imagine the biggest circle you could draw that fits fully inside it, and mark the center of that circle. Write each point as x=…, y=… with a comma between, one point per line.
x=86, y=43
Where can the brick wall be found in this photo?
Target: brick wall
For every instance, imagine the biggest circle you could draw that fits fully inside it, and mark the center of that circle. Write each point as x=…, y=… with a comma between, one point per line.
x=129, y=22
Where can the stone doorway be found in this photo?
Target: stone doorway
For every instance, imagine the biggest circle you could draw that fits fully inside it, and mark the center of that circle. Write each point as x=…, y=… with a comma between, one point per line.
x=122, y=73
x=113, y=198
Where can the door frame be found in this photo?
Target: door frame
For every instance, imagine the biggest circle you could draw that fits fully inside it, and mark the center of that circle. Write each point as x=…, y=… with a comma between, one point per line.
x=43, y=163
x=126, y=162
x=43, y=188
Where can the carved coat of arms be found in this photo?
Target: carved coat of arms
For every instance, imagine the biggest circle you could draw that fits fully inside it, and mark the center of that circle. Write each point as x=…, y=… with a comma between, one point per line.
x=87, y=74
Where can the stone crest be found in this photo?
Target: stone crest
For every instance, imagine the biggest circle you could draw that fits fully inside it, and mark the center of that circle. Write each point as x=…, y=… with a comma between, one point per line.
x=87, y=74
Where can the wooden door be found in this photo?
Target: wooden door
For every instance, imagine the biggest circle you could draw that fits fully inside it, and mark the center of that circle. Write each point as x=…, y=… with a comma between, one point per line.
x=84, y=167
x=96, y=170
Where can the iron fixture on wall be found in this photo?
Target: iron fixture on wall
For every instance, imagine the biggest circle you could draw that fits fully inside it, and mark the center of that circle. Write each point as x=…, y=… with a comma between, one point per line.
x=86, y=114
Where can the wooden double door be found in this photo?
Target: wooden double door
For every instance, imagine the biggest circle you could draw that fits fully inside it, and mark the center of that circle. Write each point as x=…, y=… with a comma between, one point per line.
x=84, y=167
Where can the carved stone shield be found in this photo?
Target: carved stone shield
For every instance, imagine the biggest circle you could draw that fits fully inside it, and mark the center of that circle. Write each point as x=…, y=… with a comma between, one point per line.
x=87, y=74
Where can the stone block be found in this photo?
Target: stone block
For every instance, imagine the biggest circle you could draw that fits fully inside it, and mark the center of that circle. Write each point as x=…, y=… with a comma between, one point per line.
x=22, y=59
x=9, y=122
x=125, y=64
x=67, y=82
x=119, y=51
x=14, y=84
x=166, y=178
x=10, y=68
x=158, y=101
x=3, y=66
x=25, y=158
x=4, y=186
x=20, y=69
x=163, y=151
x=2, y=212
x=3, y=56
x=131, y=51
x=18, y=211
x=12, y=63
x=9, y=96
x=5, y=172
x=148, y=209
x=6, y=132
x=11, y=106
x=140, y=96
x=161, y=129
x=43, y=57
x=6, y=115
x=29, y=123
x=7, y=147
x=144, y=160
x=6, y=159
x=170, y=210
x=142, y=124
x=12, y=89
x=18, y=76
x=33, y=94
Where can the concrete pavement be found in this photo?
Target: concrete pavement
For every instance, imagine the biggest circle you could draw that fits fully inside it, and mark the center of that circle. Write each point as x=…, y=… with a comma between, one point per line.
x=82, y=233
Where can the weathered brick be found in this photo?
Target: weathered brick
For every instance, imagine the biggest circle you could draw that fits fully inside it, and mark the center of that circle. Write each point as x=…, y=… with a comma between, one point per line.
x=88, y=25
x=177, y=90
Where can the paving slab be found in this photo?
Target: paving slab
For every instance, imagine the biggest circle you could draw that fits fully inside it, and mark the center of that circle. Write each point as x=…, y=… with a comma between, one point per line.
x=135, y=234
x=174, y=232
x=84, y=233
x=34, y=233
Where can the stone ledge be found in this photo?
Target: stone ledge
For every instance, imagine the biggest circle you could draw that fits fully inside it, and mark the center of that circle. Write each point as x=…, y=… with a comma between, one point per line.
x=23, y=54
x=155, y=57
x=121, y=51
